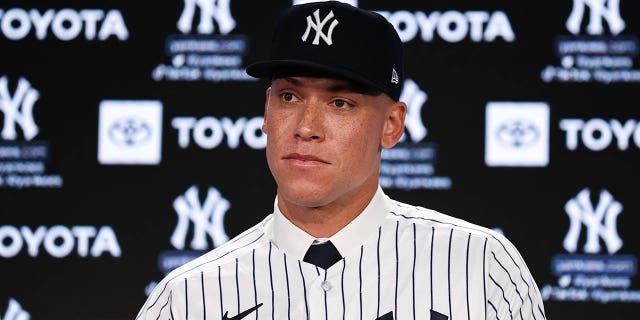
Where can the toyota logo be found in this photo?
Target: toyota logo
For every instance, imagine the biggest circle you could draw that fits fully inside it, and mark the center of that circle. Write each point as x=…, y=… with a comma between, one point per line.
x=517, y=133
x=130, y=132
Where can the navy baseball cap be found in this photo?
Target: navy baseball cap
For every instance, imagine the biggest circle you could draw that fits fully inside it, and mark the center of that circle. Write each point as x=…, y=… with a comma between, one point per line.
x=339, y=39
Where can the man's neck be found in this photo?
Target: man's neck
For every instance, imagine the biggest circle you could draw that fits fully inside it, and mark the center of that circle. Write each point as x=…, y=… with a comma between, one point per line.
x=325, y=221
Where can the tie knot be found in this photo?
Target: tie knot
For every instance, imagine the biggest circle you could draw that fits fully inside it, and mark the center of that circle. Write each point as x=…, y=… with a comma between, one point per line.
x=322, y=255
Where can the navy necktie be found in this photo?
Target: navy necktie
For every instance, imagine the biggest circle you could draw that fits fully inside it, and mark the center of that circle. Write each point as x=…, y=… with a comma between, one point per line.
x=322, y=255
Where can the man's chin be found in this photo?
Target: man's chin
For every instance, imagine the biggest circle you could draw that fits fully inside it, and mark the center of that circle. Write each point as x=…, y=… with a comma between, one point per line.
x=304, y=197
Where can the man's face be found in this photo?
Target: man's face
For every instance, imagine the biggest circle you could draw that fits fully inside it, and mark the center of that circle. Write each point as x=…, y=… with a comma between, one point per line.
x=324, y=138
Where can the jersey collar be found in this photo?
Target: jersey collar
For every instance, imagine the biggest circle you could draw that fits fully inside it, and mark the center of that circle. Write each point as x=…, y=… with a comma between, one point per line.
x=295, y=242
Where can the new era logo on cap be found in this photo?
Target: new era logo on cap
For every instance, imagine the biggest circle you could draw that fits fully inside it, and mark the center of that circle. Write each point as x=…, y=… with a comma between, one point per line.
x=318, y=26
x=394, y=76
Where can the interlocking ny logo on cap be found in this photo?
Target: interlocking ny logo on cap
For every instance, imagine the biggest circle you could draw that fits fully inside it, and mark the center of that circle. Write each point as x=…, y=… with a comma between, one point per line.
x=318, y=25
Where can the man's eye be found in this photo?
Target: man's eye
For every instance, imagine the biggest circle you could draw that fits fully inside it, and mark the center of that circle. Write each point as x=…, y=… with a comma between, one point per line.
x=287, y=96
x=341, y=103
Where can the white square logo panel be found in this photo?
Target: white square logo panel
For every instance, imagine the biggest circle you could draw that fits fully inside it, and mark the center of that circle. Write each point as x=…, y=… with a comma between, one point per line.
x=517, y=134
x=130, y=132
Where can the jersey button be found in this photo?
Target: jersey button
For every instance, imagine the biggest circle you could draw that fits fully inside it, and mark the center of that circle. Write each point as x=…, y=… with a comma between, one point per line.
x=326, y=285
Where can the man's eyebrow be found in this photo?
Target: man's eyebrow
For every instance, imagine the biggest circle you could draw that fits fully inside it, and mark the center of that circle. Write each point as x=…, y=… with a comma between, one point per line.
x=347, y=86
x=342, y=88
x=353, y=87
x=293, y=81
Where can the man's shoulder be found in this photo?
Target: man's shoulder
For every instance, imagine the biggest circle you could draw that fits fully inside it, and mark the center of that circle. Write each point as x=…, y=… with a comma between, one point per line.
x=431, y=219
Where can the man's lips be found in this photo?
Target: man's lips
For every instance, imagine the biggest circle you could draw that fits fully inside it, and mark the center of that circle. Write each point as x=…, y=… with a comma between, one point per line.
x=304, y=158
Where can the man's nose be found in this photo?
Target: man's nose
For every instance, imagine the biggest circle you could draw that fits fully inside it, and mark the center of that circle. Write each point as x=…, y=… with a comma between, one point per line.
x=310, y=123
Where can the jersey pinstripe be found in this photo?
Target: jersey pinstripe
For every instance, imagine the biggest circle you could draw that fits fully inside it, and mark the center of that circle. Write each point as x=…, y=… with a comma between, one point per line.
x=418, y=262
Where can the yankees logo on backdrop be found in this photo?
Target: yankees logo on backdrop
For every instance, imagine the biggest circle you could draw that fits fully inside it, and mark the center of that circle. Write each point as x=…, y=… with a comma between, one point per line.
x=599, y=10
x=599, y=220
x=207, y=218
x=415, y=99
x=210, y=10
x=15, y=311
x=18, y=109
x=318, y=26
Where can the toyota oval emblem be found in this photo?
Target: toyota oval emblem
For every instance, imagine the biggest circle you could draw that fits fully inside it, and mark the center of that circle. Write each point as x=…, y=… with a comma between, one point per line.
x=517, y=133
x=130, y=132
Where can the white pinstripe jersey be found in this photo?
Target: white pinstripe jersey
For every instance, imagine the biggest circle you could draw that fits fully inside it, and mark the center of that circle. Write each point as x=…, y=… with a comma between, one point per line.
x=416, y=264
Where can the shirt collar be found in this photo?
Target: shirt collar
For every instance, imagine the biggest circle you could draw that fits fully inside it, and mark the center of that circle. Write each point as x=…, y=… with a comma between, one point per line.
x=295, y=241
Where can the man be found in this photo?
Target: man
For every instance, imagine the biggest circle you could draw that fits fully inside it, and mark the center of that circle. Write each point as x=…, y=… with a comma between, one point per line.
x=336, y=247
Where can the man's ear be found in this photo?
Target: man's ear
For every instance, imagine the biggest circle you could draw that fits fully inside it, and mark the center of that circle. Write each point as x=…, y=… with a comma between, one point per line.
x=266, y=107
x=393, y=124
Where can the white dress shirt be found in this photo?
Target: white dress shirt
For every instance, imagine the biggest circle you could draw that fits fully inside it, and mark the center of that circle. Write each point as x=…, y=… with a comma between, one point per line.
x=399, y=262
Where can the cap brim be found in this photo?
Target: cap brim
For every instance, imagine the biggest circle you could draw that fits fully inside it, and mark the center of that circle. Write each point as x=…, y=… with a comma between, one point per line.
x=266, y=69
